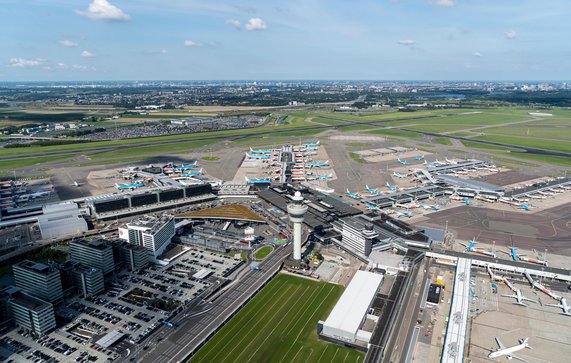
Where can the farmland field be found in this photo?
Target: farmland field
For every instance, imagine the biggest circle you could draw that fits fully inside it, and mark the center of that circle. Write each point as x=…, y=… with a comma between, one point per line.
x=280, y=325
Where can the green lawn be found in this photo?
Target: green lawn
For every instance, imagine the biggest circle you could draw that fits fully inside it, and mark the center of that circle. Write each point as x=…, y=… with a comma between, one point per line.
x=20, y=163
x=396, y=133
x=263, y=252
x=558, y=145
x=556, y=133
x=358, y=144
x=280, y=325
x=442, y=141
x=357, y=158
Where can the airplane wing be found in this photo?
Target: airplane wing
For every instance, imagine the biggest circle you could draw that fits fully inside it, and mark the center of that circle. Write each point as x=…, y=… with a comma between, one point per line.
x=500, y=345
x=517, y=358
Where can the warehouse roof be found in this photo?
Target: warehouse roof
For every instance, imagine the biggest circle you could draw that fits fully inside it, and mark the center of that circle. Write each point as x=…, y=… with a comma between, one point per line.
x=351, y=308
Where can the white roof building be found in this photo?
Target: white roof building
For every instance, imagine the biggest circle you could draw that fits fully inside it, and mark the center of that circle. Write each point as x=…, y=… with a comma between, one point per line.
x=351, y=310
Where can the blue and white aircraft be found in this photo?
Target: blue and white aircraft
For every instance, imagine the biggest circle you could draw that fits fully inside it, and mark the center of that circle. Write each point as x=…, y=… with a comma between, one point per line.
x=186, y=167
x=319, y=164
x=330, y=176
x=353, y=195
x=403, y=214
x=260, y=151
x=525, y=206
x=258, y=180
x=374, y=191
x=312, y=144
x=258, y=156
x=430, y=206
x=371, y=207
x=392, y=187
x=399, y=175
x=129, y=186
x=403, y=162
x=467, y=201
x=430, y=165
x=192, y=173
x=421, y=157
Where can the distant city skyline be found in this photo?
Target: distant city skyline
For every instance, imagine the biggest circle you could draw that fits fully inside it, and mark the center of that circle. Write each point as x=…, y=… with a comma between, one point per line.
x=73, y=40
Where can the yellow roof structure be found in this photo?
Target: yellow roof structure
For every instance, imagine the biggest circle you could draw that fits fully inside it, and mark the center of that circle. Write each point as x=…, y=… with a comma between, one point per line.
x=231, y=211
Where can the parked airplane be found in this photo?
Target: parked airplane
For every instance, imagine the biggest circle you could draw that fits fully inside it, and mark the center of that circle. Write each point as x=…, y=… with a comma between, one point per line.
x=430, y=206
x=470, y=248
x=260, y=151
x=186, y=167
x=525, y=206
x=372, y=190
x=312, y=144
x=540, y=287
x=76, y=184
x=519, y=298
x=521, y=256
x=257, y=180
x=392, y=187
x=430, y=165
x=258, y=156
x=421, y=157
x=451, y=162
x=40, y=194
x=502, y=350
x=563, y=305
x=403, y=214
x=129, y=186
x=330, y=176
x=353, y=195
x=371, y=207
x=192, y=173
x=319, y=164
x=399, y=175
x=403, y=162
x=467, y=201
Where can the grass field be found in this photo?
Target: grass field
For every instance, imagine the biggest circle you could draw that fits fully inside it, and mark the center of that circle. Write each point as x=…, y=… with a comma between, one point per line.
x=442, y=141
x=263, y=252
x=280, y=325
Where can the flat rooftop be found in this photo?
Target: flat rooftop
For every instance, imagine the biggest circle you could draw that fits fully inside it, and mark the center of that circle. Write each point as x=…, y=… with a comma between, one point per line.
x=350, y=310
x=29, y=302
x=231, y=212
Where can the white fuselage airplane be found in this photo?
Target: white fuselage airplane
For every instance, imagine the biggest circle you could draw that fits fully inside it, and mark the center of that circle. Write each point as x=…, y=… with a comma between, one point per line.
x=519, y=298
x=566, y=308
x=502, y=350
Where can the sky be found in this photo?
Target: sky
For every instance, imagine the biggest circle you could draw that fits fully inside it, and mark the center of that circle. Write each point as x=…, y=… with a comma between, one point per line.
x=72, y=40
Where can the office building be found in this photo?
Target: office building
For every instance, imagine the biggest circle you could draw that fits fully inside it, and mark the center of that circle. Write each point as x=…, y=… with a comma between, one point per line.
x=133, y=257
x=88, y=280
x=357, y=235
x=39, y=280
x=154, y=233
x=32, y=313
x=96, y=253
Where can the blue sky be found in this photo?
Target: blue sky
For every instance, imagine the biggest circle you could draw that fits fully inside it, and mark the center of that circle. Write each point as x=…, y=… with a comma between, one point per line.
x=293, y=39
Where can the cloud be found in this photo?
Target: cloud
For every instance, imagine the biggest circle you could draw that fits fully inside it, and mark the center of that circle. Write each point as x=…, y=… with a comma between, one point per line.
x=477, y=54
x=87, y=54
x=444, y=3
x=190, y=43
x=103, y=10
x=256, y=24
x=25, y=63
x=68, y=43
x=406, y=42
x=511, y=34
x=79, y=67
x=235, y=23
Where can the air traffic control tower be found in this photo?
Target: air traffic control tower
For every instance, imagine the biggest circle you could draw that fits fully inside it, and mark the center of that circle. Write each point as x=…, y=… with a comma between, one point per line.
x=296, y=211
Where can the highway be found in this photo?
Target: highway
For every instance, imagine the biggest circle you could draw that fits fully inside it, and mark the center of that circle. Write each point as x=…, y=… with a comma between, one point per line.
x=196, y=323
